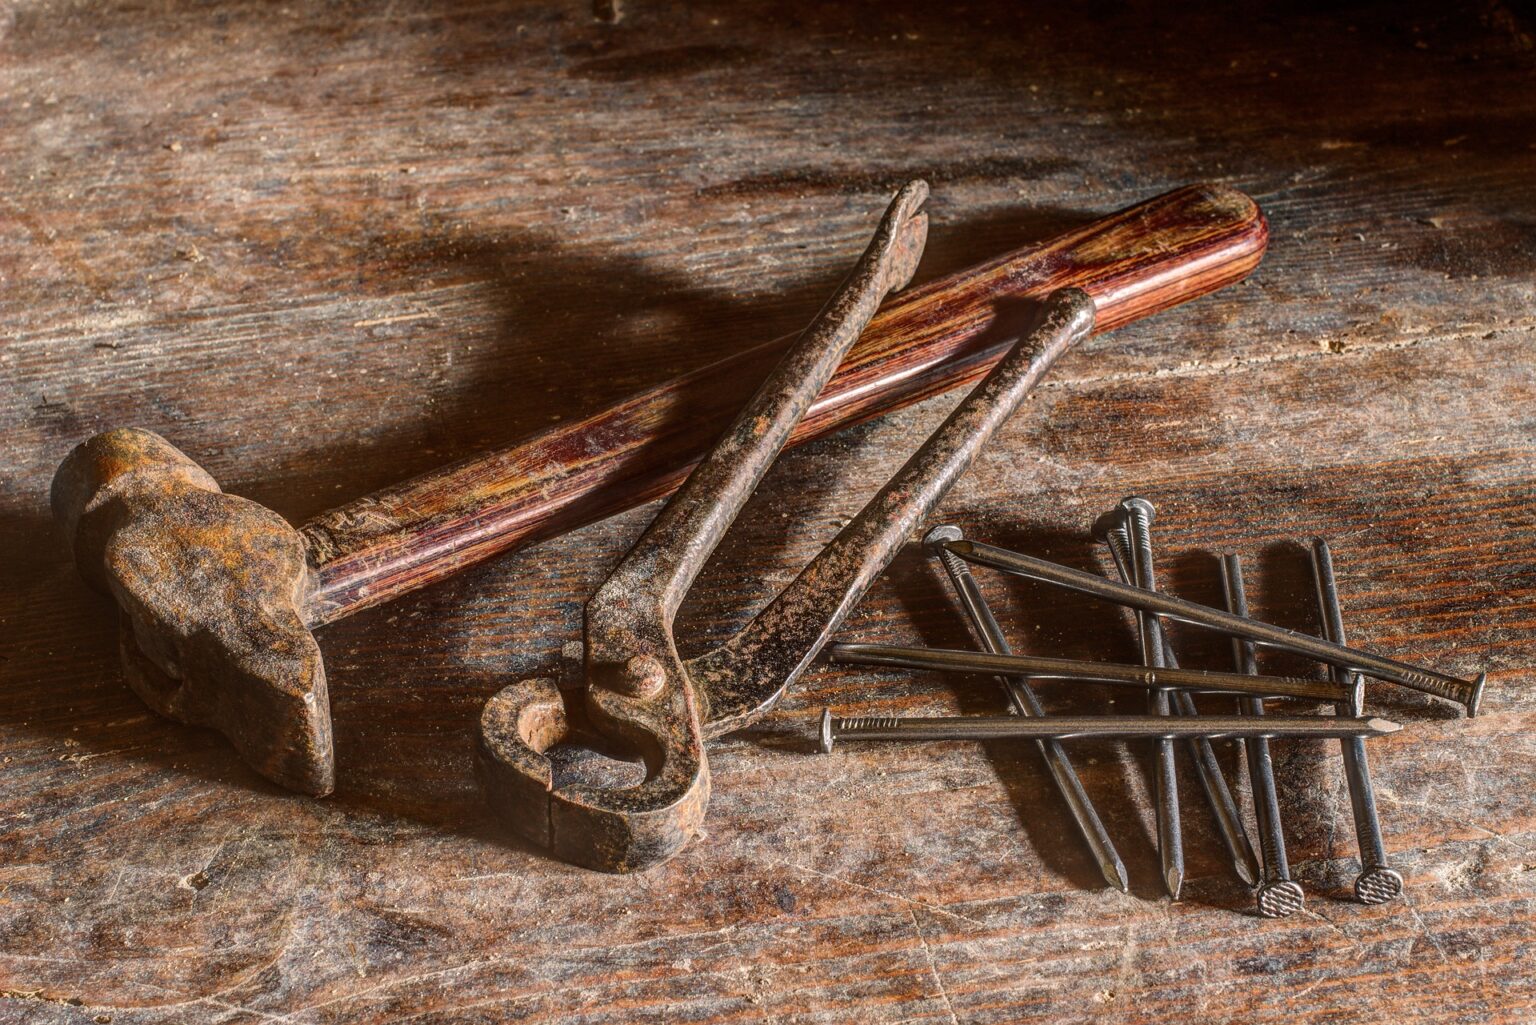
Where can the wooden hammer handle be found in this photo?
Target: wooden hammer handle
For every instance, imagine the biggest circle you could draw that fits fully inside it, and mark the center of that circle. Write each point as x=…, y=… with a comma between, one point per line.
x=1139, y=261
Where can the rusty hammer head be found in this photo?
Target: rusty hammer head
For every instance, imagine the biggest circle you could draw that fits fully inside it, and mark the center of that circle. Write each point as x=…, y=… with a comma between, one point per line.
x=210, y=588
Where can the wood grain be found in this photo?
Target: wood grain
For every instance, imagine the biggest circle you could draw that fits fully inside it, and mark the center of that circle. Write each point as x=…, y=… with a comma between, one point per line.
x=331, y=246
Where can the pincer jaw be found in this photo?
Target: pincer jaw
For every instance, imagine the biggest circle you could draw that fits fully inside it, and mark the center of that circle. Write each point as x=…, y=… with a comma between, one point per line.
x=608, y=830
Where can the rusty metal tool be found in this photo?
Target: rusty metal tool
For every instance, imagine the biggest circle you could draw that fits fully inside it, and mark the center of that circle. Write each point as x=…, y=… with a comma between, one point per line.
x=1096, y=727
x=1126, y=531
x=1042, y=667
x=1278, y=895
x=1467, y=693
x=1377, y=882
x=218, y=597
x=640, y=697
x=989, y=634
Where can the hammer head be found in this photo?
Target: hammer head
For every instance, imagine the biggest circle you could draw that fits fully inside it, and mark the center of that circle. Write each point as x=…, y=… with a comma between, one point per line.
x=210, y=588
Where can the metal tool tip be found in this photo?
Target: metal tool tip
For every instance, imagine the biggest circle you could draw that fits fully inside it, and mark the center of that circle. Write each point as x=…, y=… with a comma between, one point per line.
x=1475, y=700
x=916, y=190
x=826, y=731
x=1173, y=878
x=940, y=535
x=1075, y=303
x=1115, y=875
x=1382, y=725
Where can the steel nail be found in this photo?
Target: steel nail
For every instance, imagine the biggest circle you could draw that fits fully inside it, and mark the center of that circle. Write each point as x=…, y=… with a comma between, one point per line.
x=1099, y=727
x=1377, y=883
x=1022, y=697
x=1278, y=894
x=1170, y=833
x=1468, y=693
x=1131, y=550
x=1041, y=667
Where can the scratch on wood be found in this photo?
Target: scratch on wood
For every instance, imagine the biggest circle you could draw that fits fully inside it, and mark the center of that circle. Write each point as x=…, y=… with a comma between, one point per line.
x=935, y=908
x=398, y=319
x=933, y=967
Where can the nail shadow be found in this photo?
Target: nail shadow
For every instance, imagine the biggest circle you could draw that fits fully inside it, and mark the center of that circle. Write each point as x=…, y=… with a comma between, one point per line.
x=1196, y=576
x=1314, y=795
x=1314, y=801
x=1058, y=626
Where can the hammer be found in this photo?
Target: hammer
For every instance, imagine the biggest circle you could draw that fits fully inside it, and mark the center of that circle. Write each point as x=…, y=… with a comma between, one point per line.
x=218, y=596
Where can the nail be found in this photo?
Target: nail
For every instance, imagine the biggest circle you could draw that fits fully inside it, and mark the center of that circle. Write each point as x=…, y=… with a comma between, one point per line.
x=990, y=635
x=1468, y=693
x=1132, y=552
x=1170, y=834
x=1278, y=895
x=1041, y=667
x=1377, y=883
x=1095, y=727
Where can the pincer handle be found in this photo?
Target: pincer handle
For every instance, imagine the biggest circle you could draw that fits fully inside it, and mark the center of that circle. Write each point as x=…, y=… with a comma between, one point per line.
x=945, y=334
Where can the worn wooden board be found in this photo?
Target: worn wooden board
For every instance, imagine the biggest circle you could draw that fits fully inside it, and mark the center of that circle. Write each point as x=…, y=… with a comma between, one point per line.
x=322, y=246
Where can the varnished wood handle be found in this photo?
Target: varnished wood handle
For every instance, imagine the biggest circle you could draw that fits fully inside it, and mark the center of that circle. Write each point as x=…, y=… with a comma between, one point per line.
x=1139, y=261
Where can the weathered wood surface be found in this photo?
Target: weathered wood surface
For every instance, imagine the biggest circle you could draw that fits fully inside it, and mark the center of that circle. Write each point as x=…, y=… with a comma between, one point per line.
x=321, y=247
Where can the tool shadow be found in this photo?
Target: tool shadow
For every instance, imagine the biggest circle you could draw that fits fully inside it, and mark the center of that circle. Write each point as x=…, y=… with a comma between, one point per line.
x=408, y=680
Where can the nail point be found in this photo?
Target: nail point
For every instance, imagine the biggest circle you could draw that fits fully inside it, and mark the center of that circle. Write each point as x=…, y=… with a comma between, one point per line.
x=1245, y=867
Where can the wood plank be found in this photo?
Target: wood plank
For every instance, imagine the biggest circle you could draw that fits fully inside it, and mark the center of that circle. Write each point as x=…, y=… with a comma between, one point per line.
x=325, y=246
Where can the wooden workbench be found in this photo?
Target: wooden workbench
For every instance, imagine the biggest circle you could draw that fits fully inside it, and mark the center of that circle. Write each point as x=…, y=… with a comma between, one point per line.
x=324, y=246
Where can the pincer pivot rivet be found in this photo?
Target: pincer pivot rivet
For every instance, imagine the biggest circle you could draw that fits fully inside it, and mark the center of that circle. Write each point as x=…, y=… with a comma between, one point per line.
x=643, y=676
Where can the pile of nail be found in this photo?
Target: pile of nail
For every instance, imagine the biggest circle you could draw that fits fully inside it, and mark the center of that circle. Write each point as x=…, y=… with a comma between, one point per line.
x=1171, y=712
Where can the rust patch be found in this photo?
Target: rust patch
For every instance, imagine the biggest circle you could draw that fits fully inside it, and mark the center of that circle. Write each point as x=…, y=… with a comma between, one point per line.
x=209, y=588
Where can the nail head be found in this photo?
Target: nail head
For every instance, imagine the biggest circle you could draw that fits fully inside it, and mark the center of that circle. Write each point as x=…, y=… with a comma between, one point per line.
x=940, y=535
